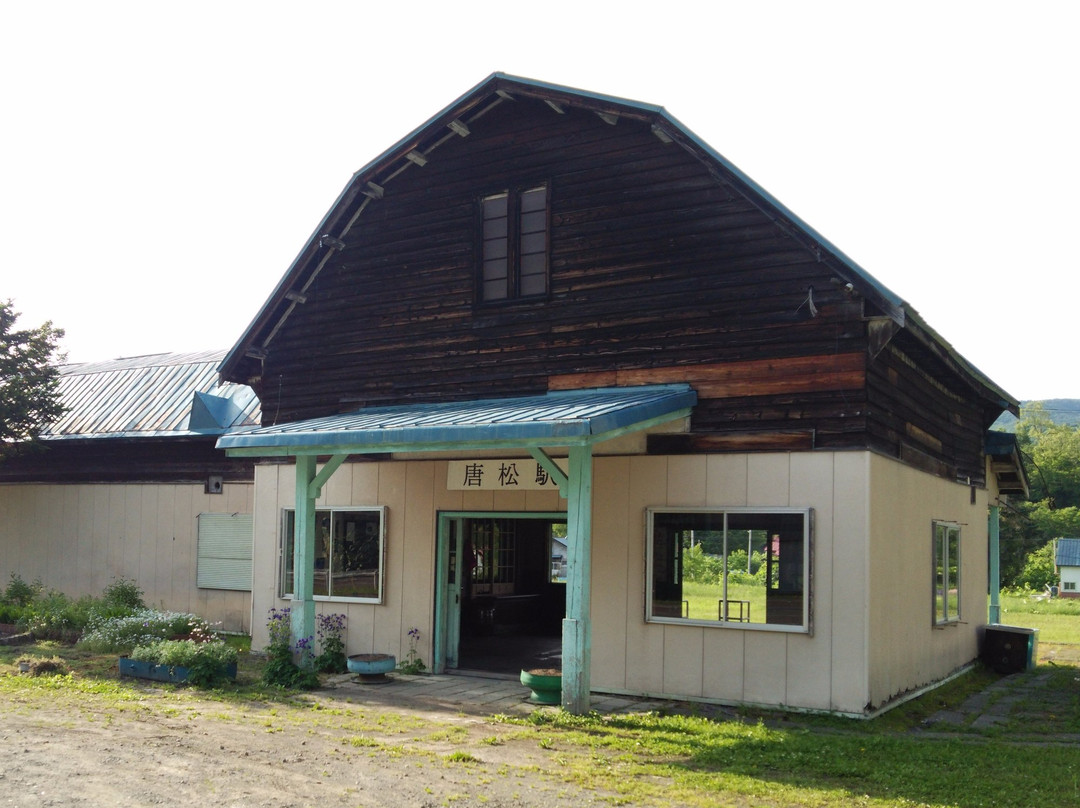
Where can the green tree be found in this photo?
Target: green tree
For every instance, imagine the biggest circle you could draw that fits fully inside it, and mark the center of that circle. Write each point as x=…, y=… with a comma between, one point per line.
x=29, y=379
x=1039, y=569
x=1051, y=454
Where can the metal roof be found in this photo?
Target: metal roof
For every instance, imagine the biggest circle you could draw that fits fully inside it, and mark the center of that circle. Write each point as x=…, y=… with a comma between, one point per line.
x=1067, y=553
x=150, y=396
x=559, y=418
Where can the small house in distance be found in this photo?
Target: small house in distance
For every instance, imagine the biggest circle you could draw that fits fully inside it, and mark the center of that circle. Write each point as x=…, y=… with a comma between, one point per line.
x=550, y=307
x=128, y=484
x=1067, y=559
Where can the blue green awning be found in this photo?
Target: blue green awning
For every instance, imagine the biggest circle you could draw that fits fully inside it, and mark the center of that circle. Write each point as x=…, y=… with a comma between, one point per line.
x=559, y=418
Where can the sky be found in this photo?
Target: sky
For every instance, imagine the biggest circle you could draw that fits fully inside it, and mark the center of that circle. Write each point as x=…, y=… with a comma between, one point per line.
x=162, y=164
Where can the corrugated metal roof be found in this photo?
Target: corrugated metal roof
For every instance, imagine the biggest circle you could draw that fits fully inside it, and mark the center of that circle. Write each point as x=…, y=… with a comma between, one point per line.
x=146, y=396
x=559, y=418
x=1068, y=553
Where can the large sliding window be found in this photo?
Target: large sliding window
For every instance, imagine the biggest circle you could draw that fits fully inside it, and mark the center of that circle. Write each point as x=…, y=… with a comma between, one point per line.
x=731, y=567
x=946, y=573
x=349, y=554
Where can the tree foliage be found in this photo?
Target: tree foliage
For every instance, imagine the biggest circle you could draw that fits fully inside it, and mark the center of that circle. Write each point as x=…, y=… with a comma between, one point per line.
x=29, y=379
x=1051, y=454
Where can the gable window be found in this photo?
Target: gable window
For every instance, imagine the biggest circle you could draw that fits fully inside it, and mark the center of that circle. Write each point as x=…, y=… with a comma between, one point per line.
x=514, y=252
x=946, y=573
x=734, y=567
x=348, y=554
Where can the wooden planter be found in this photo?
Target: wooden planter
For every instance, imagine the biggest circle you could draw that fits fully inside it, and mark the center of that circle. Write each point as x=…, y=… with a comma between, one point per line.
x=162, y=673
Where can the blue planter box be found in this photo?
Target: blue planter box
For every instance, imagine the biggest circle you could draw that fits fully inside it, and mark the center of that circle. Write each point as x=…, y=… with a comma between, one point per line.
x=161, y=673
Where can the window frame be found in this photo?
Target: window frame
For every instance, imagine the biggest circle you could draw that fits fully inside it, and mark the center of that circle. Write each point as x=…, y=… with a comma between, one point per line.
x=286, y=546
x=512, y=243
x=943, y=549
x=807, y=624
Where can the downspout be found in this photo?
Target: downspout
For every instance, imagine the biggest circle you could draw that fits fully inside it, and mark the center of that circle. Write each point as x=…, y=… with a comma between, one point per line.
x=995, y=565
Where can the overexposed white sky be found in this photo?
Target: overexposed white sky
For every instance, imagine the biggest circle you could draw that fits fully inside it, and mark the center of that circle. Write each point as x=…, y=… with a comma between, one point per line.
x=161, y=164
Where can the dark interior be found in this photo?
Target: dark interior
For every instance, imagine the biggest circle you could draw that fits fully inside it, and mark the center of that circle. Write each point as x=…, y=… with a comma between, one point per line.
x=514, y=595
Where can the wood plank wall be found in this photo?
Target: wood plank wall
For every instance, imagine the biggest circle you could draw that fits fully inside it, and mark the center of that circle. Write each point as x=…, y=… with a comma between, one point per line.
x=656, y=265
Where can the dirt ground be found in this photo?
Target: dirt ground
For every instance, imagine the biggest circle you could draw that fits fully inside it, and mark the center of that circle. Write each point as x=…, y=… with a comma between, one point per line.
x=178, y=748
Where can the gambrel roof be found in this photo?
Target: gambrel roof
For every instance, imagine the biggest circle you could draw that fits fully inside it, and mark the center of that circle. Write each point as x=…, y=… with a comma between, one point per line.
x=368, y=186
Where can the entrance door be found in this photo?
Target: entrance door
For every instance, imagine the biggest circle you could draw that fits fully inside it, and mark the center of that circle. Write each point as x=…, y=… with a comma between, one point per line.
x=502, y=593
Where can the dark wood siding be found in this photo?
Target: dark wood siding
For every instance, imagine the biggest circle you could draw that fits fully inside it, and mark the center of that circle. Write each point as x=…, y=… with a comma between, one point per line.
x=100, y=460
x=919, y=417
x=654, y=263
x=663, y=268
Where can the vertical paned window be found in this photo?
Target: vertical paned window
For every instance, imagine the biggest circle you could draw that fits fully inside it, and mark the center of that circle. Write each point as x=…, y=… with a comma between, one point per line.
x=946, y=573
x=348, y=554
x=514, y=244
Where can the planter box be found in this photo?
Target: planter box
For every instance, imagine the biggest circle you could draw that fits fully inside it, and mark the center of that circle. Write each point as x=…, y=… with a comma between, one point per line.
x=161, y=673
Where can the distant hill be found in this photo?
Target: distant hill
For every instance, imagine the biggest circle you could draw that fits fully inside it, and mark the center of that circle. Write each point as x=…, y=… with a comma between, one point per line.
x=1060, y=410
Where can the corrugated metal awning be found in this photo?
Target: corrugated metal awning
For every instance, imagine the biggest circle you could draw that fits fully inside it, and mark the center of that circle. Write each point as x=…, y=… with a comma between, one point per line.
x=558, y=418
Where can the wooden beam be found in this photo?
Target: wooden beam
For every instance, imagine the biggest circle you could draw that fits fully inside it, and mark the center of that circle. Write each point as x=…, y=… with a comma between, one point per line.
x=732, y=442
x=327, y=471
x=556, y=473
x=761, y=377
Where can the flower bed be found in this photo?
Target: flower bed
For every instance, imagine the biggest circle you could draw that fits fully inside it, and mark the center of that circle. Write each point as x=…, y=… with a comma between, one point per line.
x=176, y=674
x=200, y=663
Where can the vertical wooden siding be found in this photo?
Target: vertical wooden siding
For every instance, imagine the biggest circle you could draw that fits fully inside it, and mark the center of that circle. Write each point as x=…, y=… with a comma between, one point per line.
x=653, y=263
x=79, y=538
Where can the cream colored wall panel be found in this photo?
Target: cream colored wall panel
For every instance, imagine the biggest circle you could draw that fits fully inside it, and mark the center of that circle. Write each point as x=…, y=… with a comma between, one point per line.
x=87, y=536
x=266, y=518
x=765, y=668
x=847, y=612
x=166, y=542
x=394, y=495
x=723, y=661
x=901, y=573
x=767, y=479
x=610, y=570
x=644, y=641
x=418, y=577
x=338, y=489
x=726, y=478
x=686, y=480
x=478, y=500
x=365, y=483
x=810, y=658
x=683, y=660
x=145, y=539
x=509, y=501
x=99, y=547
x=549, y=501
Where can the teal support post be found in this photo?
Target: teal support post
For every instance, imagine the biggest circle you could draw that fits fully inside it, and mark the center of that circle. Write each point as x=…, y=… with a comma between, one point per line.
x=303, y=604
x=577, y=633
x=995, y=565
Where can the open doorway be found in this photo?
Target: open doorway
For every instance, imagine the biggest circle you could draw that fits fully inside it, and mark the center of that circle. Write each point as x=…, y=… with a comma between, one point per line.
x=503, y=591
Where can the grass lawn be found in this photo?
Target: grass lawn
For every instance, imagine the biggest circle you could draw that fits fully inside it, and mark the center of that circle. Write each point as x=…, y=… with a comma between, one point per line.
x=748, y=758
x=1057, y=619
